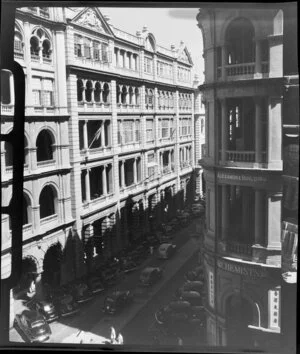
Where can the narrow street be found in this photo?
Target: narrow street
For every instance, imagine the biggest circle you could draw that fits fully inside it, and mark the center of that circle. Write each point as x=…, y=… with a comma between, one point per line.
x=136, y=321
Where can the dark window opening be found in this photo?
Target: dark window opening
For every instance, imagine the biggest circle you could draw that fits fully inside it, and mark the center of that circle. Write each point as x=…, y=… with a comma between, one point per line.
x=47, y=202
x=44, y=149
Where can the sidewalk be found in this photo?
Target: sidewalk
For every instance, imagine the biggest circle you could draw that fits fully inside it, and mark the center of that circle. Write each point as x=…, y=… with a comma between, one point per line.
x=62, y=329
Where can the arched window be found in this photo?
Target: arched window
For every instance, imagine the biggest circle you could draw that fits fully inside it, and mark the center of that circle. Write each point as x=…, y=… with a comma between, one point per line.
x=47, y=201
x=34, y=47
x=124, y=95
x=40, y=40
x=97, y=92
x=44, y=150
x=79, y=90
x=26, y=210
x=46, y=51
x=240, y=38
x=131, y=98
x=106, y=93
x=137, y=96
x=88, y=91
x=8, y=154
x=18, y=45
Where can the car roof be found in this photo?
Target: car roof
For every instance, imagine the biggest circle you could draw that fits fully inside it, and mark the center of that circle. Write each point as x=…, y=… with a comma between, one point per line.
x=149, y=270
x=32, y=315
x=164, y=246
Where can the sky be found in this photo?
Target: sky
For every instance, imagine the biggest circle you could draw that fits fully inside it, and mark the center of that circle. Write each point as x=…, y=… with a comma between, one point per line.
x=168, y=25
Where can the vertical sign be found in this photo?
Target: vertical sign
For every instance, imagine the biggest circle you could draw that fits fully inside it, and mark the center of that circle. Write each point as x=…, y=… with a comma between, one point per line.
x=211, y=290
x=274, y=308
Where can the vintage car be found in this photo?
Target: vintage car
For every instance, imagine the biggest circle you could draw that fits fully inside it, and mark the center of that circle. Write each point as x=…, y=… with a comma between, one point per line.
x=81, y=292
x=45, y=308
x=95, y=285
x=32, y=326
x=166, y=250
x=117, y=301
x=150, y=275
x=179, y=317
x=193, y=275
x=193, y=297
x=197, y=210
x=65, y=303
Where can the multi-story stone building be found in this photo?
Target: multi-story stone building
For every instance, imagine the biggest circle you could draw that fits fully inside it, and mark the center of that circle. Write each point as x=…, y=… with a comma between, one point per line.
x=246, y=108
x=110, y=139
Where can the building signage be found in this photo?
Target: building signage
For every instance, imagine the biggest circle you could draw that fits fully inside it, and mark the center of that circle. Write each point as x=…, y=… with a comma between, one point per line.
x=274, y=309
x=241, y=269
x=211, y=289
x=241, y=177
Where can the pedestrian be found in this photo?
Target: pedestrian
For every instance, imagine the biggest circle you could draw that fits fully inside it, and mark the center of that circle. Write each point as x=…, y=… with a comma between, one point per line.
x=112, y=335
x=180, y=342
x=151, y=250
x=120, y=339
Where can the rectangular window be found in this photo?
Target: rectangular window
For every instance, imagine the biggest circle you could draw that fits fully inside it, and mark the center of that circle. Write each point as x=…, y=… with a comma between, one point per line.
x=119, y=132
x=149, y=129
x=148, y=65
x=165, y=128
x=87, y=49
x=104, y=51
x=48, y=92
x=96, y=51
x=137, y=130
x=36, y=91
x=77, y=46
x=128, y=126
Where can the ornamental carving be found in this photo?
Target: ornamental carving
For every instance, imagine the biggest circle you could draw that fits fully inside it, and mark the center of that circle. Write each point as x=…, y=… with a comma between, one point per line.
x=90, y=19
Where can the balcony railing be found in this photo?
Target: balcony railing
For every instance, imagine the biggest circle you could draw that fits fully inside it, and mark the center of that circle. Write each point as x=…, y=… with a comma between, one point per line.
x=45, y=163
x=239, y=248
x=35, y=57
x=240, y=156
x=240, y=69
x=47, y=58
x=48, y=219
x=18, y=54
x=7, y=109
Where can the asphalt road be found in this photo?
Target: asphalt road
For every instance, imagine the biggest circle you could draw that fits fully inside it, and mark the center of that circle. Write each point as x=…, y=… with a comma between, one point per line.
x=134, y=322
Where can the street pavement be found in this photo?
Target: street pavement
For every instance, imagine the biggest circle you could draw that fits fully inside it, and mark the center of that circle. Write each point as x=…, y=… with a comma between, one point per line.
x=92, y=319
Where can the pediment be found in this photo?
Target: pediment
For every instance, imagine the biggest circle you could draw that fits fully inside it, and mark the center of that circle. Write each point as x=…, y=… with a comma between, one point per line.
x=92, y=18
x=184, y=55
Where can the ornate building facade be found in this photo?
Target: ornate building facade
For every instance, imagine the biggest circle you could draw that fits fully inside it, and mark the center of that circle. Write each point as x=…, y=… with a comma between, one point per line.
x=246, y=110
x=110, y=139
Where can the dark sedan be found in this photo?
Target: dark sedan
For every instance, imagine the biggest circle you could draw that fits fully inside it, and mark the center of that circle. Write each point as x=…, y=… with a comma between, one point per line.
x=117, y=301
x=166, y=250
x=150, y=275
x=81, y=292
x=33, y=326
x=45, y=308
x=65, y=304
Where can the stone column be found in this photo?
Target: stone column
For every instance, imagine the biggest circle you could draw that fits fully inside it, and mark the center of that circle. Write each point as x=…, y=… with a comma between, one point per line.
x=87, y=185
x=104, y=182
x=259, y=217
x=224, y=61
x=225, y=212
x=102, y=134
x=258, y=130
x=258, y=66
x=85, y=135
x=274, y=220
x=224, y=128
x=122, y=173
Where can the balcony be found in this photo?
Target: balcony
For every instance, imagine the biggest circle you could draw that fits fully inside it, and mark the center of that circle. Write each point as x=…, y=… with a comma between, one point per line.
x=91, y=107
x=35, y=57
x=128, y=108
x=242, y=158
x=47, y=59
x=47, y=163
x=236, y=248
x=7, y=109
x=243, y=69
x=103, y=150
x=18, y=54
x=49, y=219
x=185, y=164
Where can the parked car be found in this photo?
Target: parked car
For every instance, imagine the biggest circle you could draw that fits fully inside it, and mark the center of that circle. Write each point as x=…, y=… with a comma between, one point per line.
x=95, y=285
x=128, y=265
x=196, y=285
x=150, y=275
x=81, y=292
x=193, y=297
x=45, y=308
x=166, y=250
x=33, y=326
x=178, y=317
x=117, y=301
x=65, y=303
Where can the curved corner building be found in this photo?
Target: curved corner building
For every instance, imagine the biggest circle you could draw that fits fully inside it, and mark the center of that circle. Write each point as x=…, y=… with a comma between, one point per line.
x=244, y=96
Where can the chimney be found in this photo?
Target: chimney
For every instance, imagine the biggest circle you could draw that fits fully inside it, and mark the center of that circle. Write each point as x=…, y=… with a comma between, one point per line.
x=172, y=47
x=145, y=29
x=138, y=33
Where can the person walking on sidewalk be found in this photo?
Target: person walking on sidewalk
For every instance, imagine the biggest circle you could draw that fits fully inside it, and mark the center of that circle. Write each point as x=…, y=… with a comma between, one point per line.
x=112, y=335
x=120, y=339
